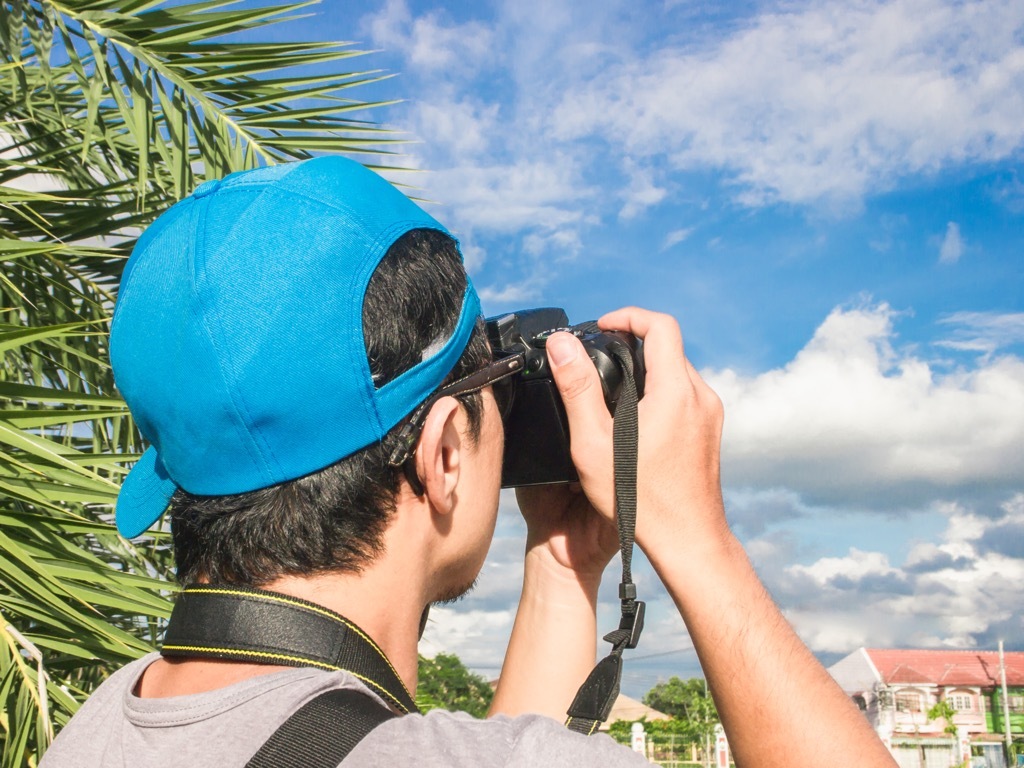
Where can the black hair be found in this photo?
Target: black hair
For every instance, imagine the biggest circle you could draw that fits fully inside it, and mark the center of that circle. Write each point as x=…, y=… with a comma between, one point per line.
x=334, y=519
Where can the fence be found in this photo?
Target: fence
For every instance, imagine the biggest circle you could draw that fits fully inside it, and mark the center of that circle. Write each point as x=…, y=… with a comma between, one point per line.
x=671, y=750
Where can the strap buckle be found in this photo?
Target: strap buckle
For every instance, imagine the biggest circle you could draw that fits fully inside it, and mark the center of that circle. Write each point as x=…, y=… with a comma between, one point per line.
x=633, y=622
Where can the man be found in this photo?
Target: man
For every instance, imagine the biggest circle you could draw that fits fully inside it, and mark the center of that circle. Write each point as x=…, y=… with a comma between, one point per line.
x=303, y=349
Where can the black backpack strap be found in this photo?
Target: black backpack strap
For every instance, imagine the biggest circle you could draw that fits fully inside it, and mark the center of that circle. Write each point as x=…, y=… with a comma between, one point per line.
x=322, y=732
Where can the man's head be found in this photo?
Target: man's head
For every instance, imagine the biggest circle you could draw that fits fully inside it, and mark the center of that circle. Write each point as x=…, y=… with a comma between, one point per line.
x=272, y=330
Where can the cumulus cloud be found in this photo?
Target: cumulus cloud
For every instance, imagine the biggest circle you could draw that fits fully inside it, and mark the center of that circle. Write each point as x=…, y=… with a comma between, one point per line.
x=929, y=558
x=960, y=591
x=822, y=100
x=864, y=572
x=952, y=246
x=854, y=417
x=464, y=126
x=430, y=42
x=820, y=103
x=477, y=637
x=855, y=425
x=535, y=208
x=508, y=199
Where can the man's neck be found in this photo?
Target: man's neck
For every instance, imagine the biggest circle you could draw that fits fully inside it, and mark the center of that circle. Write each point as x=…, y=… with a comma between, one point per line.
x=387, y=611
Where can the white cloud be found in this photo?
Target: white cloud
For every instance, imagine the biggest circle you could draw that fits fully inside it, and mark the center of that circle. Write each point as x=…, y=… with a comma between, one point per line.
x=675, y=237
x=823, y=100
x=526, y=109
x=473, y=255
x=852, y=417
x=958, y=591
x=564, y=243
x=464, y=127
x=952, y=247
x=494, y=297
x=641, y=193
x=817, y=101
x=856, y=566
x=477, y=637
x=506, y=199
x=985, y=332
x=44, y=183
x=430, y=42
x=1010, y=193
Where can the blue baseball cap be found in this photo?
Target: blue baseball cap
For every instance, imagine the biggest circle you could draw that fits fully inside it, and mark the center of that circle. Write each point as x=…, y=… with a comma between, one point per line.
x=237, y=339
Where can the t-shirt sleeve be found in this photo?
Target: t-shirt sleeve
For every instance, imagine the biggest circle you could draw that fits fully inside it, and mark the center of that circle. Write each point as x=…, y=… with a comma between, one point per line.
x=442, y=738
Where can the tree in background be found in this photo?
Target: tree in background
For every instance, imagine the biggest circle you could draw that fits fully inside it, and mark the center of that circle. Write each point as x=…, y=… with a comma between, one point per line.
x=687, y=700
x=943, y=710
x=111, y=110
x=446, y=683
x=693, y=715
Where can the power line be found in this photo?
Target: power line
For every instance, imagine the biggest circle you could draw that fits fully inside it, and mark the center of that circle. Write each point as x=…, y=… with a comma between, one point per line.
x=655, y=655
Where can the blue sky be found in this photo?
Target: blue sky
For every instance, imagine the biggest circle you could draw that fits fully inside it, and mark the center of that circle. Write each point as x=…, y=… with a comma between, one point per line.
x=830, y=198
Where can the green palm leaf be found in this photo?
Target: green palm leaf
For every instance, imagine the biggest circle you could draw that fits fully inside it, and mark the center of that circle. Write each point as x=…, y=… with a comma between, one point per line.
x=110, y=111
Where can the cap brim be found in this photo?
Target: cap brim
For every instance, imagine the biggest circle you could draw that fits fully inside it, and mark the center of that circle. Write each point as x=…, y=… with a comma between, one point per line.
x=144, y=495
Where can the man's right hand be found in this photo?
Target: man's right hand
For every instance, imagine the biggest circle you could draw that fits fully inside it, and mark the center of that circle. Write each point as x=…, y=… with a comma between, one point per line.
x=779, y=706
x=678, y=486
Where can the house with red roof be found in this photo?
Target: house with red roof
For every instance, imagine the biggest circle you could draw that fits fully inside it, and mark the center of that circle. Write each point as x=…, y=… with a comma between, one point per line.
x=896, y=688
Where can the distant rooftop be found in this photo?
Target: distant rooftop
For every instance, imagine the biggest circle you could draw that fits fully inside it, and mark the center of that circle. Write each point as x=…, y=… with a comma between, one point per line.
x=629, y=709
x=972, y=668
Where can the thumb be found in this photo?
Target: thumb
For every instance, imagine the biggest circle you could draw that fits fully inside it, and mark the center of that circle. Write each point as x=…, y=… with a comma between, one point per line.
x=580, y=388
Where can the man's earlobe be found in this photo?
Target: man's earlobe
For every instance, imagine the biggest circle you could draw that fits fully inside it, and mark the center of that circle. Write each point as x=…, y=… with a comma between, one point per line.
x=439, y=454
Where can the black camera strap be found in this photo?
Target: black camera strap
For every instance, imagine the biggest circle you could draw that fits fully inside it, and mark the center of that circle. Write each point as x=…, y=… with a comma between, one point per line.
x=595, y=698
x=322, y=732
x=263, y=627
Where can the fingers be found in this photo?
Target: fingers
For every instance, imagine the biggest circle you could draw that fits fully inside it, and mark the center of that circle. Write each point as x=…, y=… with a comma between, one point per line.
x=664, y=358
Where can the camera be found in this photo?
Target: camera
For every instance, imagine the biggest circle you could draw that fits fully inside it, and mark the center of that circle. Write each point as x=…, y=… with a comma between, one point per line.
x=536, y=427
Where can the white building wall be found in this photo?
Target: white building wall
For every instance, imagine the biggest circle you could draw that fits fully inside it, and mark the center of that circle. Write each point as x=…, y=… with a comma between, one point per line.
x=858, y=678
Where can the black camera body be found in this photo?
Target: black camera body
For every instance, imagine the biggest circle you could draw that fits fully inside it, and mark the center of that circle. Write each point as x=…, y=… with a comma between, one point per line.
x=536, y=427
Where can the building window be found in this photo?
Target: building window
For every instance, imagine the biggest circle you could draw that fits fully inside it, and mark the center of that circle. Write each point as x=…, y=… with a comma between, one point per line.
x=1016, y=702
x=961, y=702
x=908, y=702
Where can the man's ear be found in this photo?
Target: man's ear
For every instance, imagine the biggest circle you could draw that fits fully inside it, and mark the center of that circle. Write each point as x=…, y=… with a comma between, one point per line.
x=439, y=454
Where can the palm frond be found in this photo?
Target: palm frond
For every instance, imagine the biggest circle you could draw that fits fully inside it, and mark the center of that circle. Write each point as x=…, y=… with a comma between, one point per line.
x=110, y=111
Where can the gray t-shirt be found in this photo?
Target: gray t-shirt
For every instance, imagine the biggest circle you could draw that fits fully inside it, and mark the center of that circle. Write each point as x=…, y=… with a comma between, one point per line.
x=224, y=729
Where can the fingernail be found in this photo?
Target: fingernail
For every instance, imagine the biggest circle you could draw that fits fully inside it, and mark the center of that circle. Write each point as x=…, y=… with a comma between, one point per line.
x=561, y=350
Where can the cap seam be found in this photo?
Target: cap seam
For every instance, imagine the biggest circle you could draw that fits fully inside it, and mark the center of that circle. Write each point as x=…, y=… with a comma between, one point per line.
x=280, y=185
x=241, y=417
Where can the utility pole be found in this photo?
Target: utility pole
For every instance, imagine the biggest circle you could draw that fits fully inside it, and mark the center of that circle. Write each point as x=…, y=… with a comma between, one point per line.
x=707, y=733
x=1006, y=704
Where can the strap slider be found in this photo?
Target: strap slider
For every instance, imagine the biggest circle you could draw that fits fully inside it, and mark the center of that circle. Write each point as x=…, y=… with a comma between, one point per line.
x=633, y=622
x=627, y=591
